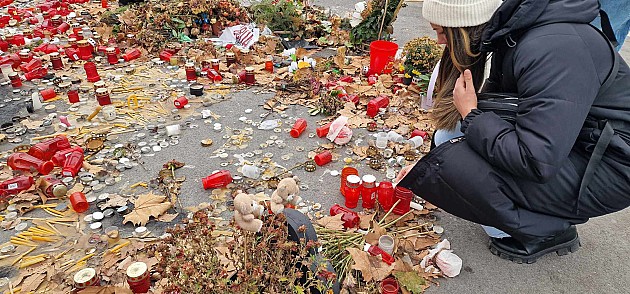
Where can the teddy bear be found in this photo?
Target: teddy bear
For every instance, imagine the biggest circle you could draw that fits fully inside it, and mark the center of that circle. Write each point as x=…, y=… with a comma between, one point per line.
x=287, y=192
x=245, y=211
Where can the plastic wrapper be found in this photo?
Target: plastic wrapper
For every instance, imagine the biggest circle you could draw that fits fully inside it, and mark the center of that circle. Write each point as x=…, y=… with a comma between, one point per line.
x=339, y=132
x=242, y=35
x=448, y=262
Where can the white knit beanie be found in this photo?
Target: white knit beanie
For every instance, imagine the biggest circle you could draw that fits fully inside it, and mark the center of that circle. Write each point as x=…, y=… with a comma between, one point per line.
x=459, y=13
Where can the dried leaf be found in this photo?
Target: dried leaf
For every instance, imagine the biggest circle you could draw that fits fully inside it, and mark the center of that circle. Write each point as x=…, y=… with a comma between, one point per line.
x=377, y=232
x=32, y=283
x=147, y=206
x=105, y=290
x=167, y=218
x=332, y=222
x=425, y=242
x=412, y=281
x=94, y=169
x=365, y=220
x=372, y=267
x=104, y=31
x=78, y=187
x=114, y=200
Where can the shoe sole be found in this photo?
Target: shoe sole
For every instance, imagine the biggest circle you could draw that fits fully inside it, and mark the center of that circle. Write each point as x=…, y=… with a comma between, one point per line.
x=560, y=249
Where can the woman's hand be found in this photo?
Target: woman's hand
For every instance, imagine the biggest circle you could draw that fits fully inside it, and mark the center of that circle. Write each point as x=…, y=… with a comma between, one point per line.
x=403, y=172
x=464, y=94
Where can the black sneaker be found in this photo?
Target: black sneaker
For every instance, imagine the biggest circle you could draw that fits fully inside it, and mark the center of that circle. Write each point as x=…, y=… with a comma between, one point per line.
x=511, y=249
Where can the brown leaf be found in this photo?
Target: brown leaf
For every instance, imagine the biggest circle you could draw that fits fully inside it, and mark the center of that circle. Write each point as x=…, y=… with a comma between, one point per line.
x=429, y=206
x=94, y=169
x=365, y=220
x=114, y=200
x=104, y=31
x=78, y=187
x=32, y=283
x=373, y=236
x=147, y=206
x=423, y=242
x=332, y=222
x=300, y=52
x=372, y=267
x=105, y=290
x=167, y=218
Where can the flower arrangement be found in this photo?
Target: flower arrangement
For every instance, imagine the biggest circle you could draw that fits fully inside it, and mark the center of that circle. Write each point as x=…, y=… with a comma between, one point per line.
x=421, y=56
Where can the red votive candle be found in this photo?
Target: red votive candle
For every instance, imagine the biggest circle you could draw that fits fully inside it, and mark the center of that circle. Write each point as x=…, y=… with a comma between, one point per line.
x=112, y=57
x=85, y=50
x=79, y=202
x=385, y=194
x=55, y=58
x=48, y=94
x=102, y=96
x=91, y=72
x=323, y=158
x=353, y=191
x=350, y=218
x=25, y=162
x=131, y=54
x=368, y=191
x=298, y=128
x=217, y=180
x=345, y=172
x=404, y=195
x=191, y=72
x=138, y=277
x=323, y=130
x=180, y=102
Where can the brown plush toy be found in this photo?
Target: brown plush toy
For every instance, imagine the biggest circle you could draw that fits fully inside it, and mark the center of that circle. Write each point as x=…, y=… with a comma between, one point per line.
x=245, y=211
x=287, y=192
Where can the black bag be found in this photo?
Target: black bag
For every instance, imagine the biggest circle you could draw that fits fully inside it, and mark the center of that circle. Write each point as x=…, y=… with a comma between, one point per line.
x=505, y=105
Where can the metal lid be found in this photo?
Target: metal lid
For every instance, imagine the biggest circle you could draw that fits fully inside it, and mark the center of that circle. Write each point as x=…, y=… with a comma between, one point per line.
x=54, y=54
x=85, y=275
x=249, y=68
x=59, y=190
x=101, y=91
x=110, y=50
x=353, y=179
x=136, y=270
x=82, y=42
x=369, y=178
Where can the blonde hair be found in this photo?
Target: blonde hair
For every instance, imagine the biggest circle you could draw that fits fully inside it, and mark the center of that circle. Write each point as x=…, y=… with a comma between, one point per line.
x=461, y=53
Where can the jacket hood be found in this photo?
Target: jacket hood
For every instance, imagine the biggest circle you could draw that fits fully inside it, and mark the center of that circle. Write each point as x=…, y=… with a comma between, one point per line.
x=516, y=16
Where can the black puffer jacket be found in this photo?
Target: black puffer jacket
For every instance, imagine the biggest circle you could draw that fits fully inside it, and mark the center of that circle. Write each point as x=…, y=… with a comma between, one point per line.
x=525, y=178
x=558, y=67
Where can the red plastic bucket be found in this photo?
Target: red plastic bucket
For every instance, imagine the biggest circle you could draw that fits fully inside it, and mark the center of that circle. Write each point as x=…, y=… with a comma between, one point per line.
x=381, y=53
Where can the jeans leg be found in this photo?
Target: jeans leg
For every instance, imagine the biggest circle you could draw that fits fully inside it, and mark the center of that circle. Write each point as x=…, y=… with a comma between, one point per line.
x=619, y=14
x=442, y=136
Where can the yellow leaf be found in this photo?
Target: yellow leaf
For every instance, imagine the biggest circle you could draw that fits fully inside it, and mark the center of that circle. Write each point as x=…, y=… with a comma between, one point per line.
x=147, y=206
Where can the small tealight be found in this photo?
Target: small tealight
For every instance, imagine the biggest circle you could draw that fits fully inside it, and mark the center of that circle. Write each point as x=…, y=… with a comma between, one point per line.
x=96, y=226
x=98, y=215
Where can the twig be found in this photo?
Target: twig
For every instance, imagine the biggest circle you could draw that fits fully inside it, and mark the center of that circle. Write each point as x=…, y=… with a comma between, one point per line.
x=380, y=31
x=390, y=211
